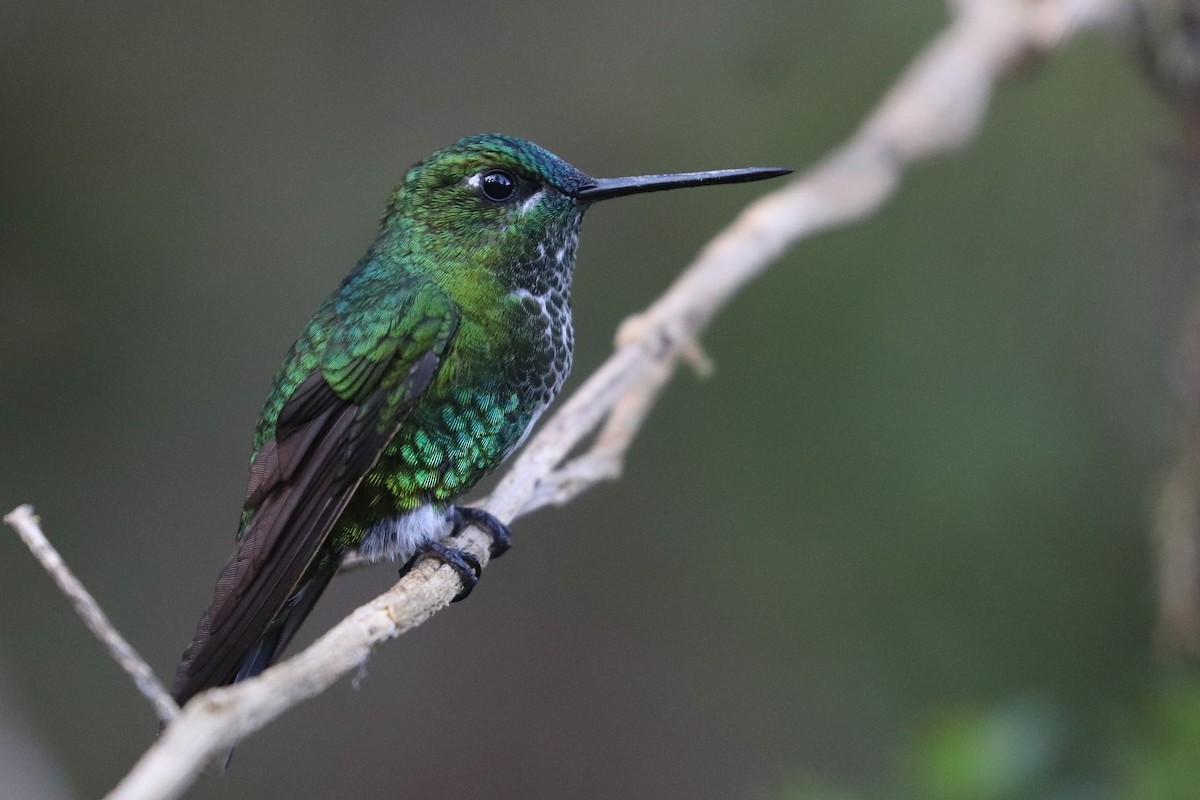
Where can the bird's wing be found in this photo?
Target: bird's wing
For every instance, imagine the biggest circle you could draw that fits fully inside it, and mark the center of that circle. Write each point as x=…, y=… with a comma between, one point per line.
x=329, y=433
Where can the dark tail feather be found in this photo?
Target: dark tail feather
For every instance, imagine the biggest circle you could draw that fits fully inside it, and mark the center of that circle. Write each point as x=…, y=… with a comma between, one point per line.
x=301, y=603
x=268, y=649
x=264, y=652
x=270, y=646
x=259, y=659
x=261, y=656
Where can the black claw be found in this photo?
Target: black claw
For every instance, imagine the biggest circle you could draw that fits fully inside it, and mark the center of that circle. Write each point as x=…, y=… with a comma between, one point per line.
x=407, y=566
x=465, y=564
x=464, y=516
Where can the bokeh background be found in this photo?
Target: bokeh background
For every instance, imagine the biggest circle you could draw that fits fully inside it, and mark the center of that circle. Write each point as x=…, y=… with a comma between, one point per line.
x=900, y=539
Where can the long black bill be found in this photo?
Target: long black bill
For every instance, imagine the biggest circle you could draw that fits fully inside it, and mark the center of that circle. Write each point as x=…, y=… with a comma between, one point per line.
x=604, y=188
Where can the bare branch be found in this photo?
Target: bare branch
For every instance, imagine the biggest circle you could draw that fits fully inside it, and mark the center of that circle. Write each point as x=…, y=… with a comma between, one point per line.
x=937, y=106
x=22, y=520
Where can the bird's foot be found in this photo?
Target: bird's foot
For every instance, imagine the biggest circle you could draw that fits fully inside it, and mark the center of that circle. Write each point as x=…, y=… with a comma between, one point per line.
x=463, y=517
x=465, y=564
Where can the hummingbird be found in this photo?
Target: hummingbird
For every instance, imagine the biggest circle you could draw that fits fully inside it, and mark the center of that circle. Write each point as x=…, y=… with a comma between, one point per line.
x=420, y=374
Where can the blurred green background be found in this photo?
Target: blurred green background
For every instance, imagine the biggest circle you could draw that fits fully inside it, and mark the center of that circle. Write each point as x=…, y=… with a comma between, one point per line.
x=899, y=537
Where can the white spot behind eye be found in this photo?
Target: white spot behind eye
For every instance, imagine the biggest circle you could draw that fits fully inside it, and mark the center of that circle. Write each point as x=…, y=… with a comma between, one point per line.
x=474, y=180
x=529, y=204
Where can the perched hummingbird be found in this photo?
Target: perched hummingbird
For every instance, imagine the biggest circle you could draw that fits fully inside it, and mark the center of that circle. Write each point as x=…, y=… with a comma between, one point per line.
x=423, y=371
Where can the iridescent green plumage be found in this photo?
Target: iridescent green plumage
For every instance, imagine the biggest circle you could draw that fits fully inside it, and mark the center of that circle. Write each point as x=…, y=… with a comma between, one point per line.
x=413, y=380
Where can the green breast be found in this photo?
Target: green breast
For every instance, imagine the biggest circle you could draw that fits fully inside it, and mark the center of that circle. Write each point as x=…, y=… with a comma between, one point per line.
x=468, y=421
x=445, y=447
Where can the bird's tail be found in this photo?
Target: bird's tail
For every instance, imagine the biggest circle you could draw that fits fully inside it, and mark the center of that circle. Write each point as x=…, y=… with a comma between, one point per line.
x=279, y=633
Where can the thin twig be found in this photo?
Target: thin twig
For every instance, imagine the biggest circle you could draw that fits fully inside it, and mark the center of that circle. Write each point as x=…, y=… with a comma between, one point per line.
x=22, y=520
x=937, y=106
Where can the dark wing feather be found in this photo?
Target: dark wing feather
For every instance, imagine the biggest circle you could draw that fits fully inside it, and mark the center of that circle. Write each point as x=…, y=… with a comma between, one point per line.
x=328, y=435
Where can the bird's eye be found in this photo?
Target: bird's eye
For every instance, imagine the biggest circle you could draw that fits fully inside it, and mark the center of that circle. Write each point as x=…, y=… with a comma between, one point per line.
x=498, y=185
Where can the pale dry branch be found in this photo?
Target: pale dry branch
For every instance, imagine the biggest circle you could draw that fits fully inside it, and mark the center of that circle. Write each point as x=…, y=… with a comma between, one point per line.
x=936, y=106
x=22, y=520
